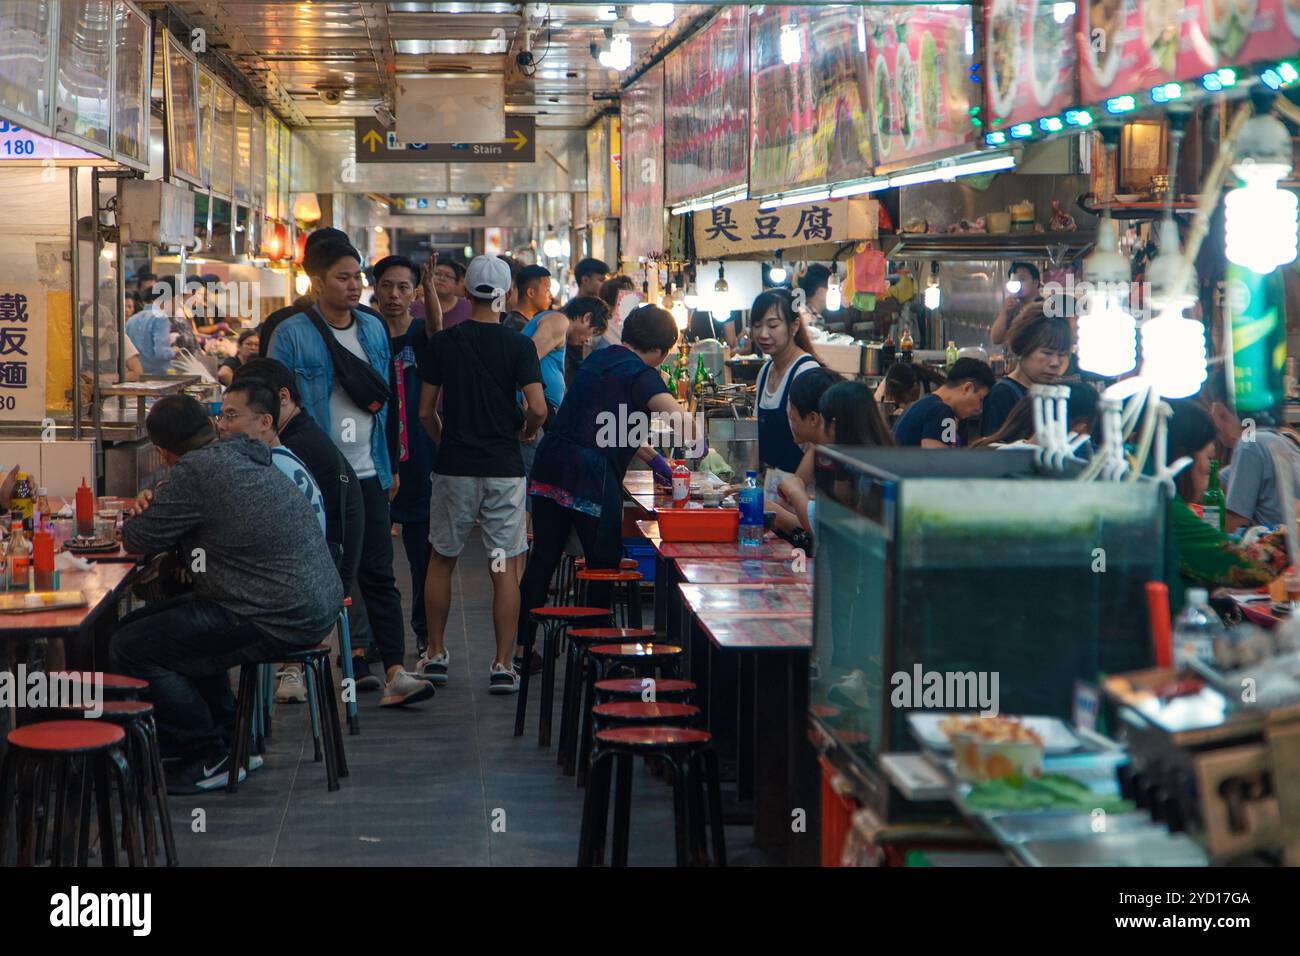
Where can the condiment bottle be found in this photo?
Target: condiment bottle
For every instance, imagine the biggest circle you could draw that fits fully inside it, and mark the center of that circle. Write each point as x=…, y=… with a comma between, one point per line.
x=905, y=344
x=43, y=560
x=19, y=557
x=41, y=514
x=681, y=484
x=85, y=510
x=20, y=501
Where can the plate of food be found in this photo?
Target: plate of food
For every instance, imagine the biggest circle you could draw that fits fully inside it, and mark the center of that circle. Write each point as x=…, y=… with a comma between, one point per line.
x=1105, y=23
x=909, y=100
x=1049, y=51
x=1004, y=50
x=1227, y=23
x=1160, y=23
x=926, y=727
x=883, y=103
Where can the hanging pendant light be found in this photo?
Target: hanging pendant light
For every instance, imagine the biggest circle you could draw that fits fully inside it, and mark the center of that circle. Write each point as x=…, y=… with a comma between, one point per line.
x=1259, y=218
x=1107, y=332
x=834, y=299
x=1173, y=346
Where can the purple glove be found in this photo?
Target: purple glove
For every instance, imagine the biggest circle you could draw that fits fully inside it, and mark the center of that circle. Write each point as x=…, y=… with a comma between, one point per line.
x=663, y=471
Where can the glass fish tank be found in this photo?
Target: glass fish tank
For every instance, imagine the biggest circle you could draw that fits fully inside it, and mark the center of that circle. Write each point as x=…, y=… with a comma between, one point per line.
x=971, y=580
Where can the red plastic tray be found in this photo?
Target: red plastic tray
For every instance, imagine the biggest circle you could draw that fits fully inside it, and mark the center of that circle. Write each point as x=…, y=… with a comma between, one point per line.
x=698, y=524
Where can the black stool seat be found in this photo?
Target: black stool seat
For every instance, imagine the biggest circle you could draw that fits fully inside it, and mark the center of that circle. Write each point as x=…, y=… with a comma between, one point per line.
x=554, y=621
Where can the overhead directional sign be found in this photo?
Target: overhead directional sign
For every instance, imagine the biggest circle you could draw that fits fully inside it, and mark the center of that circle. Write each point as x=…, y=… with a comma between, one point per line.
x=464, y=204
x=375, y=144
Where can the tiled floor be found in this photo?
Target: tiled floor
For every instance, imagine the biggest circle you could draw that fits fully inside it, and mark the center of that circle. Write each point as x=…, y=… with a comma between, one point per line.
x=444, y=783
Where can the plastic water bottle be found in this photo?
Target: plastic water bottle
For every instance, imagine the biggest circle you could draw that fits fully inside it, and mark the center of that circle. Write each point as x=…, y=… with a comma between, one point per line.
x=1196, y=630
x=751, y=512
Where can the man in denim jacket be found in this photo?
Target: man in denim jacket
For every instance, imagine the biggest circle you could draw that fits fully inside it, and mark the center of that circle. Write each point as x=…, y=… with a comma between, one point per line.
x=335, y=270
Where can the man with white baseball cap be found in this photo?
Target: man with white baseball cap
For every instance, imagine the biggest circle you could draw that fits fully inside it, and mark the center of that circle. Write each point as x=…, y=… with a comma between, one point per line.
x=477, y=367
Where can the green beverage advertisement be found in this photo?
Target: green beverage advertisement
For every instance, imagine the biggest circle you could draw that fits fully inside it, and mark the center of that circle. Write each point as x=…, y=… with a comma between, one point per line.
x=1253, y=304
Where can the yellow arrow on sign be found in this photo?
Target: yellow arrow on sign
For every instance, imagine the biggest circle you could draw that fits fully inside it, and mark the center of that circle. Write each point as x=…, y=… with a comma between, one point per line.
x=372, y=139
x=519, y=139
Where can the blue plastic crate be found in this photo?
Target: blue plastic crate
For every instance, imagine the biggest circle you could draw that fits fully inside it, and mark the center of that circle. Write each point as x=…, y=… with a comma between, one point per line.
x=644, y=554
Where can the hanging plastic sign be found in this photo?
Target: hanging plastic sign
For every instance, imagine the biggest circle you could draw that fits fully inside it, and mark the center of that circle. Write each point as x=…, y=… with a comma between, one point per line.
x=1253, y=305
x=16, y=142
x=742, y=227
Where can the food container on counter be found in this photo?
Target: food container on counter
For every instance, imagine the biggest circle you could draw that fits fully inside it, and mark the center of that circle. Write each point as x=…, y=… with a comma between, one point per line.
x=979, y=760
x=999, y=223
x=698, y=524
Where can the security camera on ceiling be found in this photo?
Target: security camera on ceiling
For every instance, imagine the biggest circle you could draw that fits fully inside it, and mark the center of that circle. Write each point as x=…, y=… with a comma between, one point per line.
x=331, y=93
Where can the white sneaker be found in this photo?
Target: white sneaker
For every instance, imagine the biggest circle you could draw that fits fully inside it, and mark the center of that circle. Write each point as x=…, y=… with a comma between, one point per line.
x=503, y=680
x=290, y=688
x=405, y=688
x=434, y=669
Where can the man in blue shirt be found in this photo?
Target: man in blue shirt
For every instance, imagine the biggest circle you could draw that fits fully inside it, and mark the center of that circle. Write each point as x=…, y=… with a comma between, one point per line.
x=361, y=435
x=934, y=420
x=150, y=330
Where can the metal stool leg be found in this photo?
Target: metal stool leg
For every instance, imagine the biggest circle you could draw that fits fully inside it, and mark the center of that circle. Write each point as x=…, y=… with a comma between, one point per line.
x=243, y=724
x=312, y=704
x=681, y=825
x=548, y=686
x=622, y=807
x=345, y=655
x=709, y=757
x=521, y=706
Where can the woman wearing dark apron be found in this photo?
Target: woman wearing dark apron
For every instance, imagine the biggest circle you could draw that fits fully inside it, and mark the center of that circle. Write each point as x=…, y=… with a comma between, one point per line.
x=577, y=478
x=778, y=332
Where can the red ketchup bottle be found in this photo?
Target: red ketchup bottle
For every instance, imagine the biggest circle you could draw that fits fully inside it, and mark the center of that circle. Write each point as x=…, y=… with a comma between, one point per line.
x=85, y=510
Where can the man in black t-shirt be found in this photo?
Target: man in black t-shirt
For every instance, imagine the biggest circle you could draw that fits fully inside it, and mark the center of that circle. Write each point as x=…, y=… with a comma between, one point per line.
x=934, y=420
x=477, y=367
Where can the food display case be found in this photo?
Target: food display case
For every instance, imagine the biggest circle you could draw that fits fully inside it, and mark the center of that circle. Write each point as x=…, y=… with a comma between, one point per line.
x=969, y=563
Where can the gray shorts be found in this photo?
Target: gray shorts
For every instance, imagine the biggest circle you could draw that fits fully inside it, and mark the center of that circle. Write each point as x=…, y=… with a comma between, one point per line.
x=496, y=504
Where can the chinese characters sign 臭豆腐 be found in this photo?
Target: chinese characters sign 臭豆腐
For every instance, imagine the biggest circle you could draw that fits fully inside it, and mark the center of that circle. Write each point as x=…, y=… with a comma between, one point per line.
x=742, y=227
x=22, y=352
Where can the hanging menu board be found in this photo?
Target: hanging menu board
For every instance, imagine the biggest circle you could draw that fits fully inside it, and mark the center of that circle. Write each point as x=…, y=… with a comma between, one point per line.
x=243, y=151
x=286, y=171
x=1127, y=45
x=808, y=100
x=223, y=141
x=25, y=47
x=1229, y=32
x=182, y=113
x=642, y=115
x=83, y=107
x=598, y=169
x=1029, y=60
x=919, y=62
x=131, y=95
x=706, y=92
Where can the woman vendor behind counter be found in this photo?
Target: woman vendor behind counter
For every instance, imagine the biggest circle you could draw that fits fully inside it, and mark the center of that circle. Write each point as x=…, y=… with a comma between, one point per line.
x=1042, y=345
x=778, y=332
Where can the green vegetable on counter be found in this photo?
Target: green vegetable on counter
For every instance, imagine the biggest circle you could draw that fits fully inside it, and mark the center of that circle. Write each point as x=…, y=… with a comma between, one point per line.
x=1052, y=791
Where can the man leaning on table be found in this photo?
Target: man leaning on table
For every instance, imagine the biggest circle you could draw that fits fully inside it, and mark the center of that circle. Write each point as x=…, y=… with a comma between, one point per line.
x=264, y=583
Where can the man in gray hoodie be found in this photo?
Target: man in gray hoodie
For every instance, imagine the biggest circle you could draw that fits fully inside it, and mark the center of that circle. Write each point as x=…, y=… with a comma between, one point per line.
x=264, y=583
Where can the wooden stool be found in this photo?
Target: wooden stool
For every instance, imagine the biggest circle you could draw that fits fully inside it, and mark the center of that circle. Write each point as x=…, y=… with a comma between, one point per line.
x=58, y=749
x=689, y=752
x=554, y=622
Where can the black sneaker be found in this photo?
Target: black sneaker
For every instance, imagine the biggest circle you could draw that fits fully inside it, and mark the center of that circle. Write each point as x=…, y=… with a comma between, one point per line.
x=366, y=681
x=199, y=776
x=534, y=664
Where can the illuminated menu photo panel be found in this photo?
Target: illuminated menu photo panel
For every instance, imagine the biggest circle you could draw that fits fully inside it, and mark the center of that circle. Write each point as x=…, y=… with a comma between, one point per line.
x=809, y=121
x=706, y=115
x=223, y=142
x=243, y=187
x=26, y=45
x=919, y=64
x=131, y=45
x=182, y=113
x=83, y=88
x=1219, y=33
x=1029, y=60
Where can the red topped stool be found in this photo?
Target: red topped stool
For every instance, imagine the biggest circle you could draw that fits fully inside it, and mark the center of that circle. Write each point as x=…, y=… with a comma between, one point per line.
x=75, y=755
x=144, y=758
x=689, y=752
x=554, y=622
x=631, y=592
x=575, y=677
x=642, y=658
x=641, y=688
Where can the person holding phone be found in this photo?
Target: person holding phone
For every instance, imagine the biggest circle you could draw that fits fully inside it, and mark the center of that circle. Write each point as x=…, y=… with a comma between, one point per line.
x=1024, y=282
